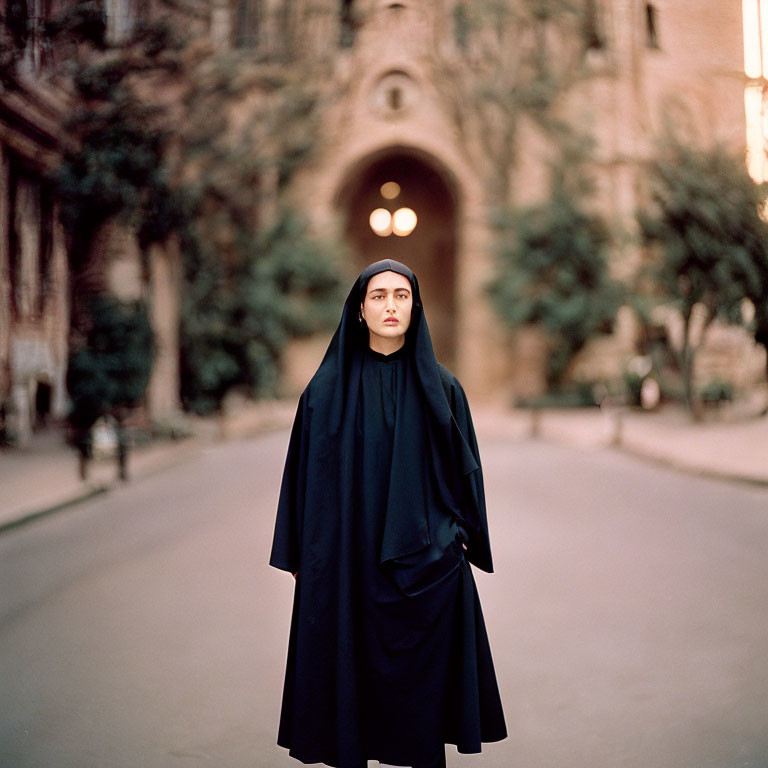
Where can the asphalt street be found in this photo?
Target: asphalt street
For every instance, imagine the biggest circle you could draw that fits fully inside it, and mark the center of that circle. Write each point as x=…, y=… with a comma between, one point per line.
x=628, y=617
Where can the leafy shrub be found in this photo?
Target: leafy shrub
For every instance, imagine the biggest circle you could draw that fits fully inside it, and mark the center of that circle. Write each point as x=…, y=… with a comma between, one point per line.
x=552, y=271
x=111, y=366
x=236, y=320
x=633, y=384
x=717, y=391
x=579, y=395
x=711, y=244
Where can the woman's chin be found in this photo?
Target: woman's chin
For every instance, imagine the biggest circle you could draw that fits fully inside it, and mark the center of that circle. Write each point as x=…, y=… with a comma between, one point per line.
x=391, y=331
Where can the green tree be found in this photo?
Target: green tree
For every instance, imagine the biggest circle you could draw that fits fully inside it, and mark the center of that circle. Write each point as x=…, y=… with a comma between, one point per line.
x=254, y=275
x=236, y=319
x=761, y=321
x=180, y=137
x=116, y=169
x=711, y=244
x=110, y=365
x=552, y=271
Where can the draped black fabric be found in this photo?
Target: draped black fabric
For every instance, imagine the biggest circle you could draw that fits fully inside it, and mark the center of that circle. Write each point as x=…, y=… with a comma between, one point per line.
x=388, y=655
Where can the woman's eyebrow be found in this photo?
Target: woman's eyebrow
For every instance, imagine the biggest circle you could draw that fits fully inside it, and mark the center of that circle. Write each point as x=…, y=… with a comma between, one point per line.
x=384, y=290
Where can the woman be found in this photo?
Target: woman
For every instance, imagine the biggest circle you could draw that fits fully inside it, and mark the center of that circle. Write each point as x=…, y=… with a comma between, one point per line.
x=380, y=509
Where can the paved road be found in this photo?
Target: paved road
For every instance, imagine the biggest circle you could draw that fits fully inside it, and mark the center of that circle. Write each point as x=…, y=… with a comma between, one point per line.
x=628, y=618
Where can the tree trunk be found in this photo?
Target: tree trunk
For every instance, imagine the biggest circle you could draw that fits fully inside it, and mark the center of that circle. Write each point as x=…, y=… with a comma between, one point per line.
x=687, y=354
x=761, y=337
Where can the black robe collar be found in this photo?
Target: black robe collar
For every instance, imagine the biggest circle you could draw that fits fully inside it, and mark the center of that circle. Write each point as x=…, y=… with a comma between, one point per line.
x=398, y=354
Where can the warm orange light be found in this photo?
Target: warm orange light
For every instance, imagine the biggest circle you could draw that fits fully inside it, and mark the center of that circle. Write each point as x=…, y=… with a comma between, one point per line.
x=764, y=34
x=751, y=19
x=381, y=222
x=404, y=221
x=390, y=190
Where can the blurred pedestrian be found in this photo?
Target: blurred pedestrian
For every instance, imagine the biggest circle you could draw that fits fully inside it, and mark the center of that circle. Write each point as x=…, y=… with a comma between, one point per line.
x=83, y=415
x=120, y=414
x=381, y=510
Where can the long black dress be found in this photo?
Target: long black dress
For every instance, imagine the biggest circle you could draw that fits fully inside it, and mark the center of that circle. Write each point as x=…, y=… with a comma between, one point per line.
x=383, y=664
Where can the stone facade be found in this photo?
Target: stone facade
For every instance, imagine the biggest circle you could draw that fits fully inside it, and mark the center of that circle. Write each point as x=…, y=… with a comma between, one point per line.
x=387, y=119
x=648, y=63
x=34, y=274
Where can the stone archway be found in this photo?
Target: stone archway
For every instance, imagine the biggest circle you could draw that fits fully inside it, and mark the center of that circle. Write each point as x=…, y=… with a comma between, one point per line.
x=430, y=249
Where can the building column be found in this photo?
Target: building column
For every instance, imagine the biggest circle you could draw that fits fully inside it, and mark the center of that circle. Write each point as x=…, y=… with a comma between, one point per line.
x=163, y=400
x=221, y=24
x=60, y=342
x=5, y=282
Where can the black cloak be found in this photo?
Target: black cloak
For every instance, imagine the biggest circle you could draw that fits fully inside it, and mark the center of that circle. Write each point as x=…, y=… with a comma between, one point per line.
x=388, y=656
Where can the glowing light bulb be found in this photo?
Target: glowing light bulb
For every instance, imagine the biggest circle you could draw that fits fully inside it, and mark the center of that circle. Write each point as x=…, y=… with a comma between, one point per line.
x=404, y=221
x=764, y=34
x=381, y=222
x=390, y=190
x=750, y=10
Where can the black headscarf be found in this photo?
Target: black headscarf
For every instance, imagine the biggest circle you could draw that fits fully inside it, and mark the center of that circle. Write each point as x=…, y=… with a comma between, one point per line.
x=435, y=476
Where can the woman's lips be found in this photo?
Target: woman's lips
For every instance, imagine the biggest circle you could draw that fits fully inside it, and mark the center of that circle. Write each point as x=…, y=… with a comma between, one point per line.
x=391, y=321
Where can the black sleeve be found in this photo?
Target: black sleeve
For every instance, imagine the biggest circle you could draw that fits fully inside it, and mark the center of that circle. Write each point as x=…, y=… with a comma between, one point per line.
x=286, y=543
x=476, y=518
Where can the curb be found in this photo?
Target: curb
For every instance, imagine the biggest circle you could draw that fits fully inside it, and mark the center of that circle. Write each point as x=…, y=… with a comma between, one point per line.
x=30, y=517
x=191, y=447
x=621, y=439
x=176, y=455
x=710, y=473
x=174, y=458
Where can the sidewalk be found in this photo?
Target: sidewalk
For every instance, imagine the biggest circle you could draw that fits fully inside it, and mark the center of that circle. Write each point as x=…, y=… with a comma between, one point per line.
x=731, y=448
x=42, y=477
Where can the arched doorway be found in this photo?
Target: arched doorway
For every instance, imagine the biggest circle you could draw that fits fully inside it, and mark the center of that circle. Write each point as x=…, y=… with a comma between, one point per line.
x=417, y=181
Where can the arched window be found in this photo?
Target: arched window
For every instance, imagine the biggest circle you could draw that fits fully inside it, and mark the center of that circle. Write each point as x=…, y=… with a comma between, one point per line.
x=29, y=237
x=461, y=25
x=17, y=22
x=25, y=20
x=347, y=24
x=247, y=24
x=593, y=36
x=395, y=99
x=121, y=17
x=651, y=26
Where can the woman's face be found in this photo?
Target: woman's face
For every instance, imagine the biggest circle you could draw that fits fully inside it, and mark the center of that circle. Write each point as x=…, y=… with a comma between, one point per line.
x=387, y=304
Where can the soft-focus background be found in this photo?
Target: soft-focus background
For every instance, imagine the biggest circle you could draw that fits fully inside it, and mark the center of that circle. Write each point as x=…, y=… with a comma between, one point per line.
x=188, y=189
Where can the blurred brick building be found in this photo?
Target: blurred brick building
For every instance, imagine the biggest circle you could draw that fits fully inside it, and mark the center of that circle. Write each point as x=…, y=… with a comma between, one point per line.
x=394, y=115
x=34, y=285
x=36, y=105
x=644, y=63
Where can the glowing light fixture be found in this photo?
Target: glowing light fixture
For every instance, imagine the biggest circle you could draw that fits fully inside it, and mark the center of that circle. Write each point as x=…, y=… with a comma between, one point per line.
x=751, y=18
x=404, y=221
x=764, y=34
x=381, y=222
x=755, y=21
x=390, y=190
